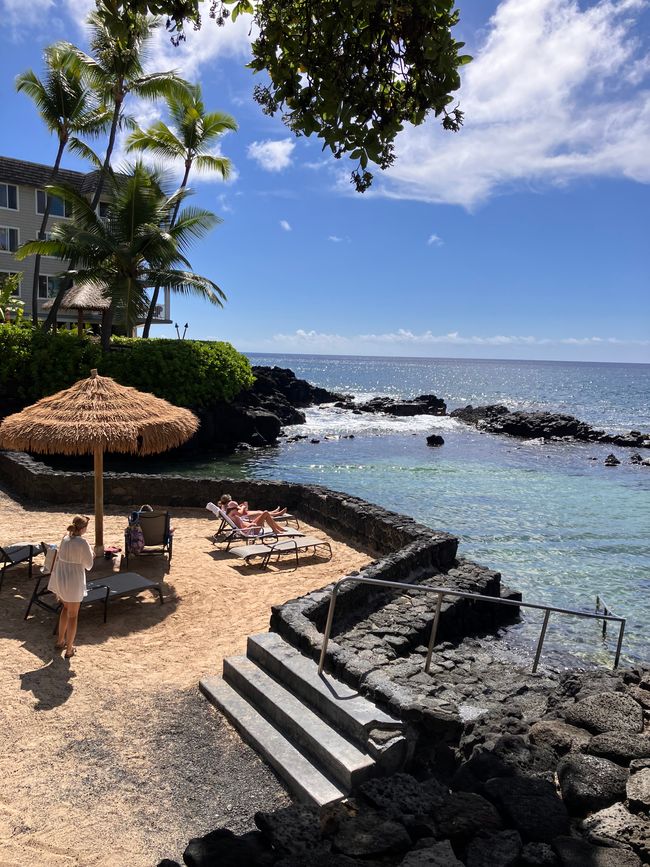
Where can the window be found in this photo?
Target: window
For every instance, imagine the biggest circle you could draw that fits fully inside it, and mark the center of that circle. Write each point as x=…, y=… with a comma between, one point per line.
x=102, y=210
x=4, y=274
x=48, y=286
x=58, y=208
x=9, y=196
x=9, y=240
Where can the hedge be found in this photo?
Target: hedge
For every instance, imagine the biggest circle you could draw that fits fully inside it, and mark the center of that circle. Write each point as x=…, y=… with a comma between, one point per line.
x=191, y=373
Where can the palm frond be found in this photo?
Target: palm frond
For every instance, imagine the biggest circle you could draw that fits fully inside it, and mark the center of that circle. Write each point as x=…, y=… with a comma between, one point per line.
x=187, y=283
x=211, y=163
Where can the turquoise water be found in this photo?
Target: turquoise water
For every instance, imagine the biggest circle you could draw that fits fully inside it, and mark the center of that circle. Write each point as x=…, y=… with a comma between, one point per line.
x=559, y=526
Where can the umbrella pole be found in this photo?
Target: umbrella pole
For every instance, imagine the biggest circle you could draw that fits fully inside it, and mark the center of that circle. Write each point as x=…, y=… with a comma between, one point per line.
x=99, y=500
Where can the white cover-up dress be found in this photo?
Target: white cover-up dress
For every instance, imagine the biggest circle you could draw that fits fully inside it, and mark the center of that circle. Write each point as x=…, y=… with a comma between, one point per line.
x=68, y=578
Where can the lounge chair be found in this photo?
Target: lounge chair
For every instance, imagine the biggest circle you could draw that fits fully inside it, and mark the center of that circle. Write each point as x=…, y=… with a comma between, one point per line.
x=247, y=534
x=158, y=538
x=19, y=552
x=219, y=513
x=268, y=549
x=100, y=590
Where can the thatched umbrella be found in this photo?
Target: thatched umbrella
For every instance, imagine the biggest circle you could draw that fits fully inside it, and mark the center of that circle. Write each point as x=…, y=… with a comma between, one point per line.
x=87, y=298
x=97, y=415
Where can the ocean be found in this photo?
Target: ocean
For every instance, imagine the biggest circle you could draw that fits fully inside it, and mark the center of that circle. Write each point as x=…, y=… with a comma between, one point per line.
x=559, y=525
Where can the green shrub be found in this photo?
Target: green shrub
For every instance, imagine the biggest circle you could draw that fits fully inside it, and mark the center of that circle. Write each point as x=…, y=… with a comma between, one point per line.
x=185, y=372
x=189, y=373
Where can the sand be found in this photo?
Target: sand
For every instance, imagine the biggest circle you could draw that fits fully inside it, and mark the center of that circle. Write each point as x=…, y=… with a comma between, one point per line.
x=114, y=757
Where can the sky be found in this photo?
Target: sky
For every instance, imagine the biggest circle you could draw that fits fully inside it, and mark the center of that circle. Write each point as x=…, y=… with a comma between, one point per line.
x=525, y=235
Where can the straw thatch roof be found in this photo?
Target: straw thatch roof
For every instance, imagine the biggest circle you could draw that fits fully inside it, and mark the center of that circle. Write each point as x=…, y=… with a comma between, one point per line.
x=86, y=297
x=98, y=413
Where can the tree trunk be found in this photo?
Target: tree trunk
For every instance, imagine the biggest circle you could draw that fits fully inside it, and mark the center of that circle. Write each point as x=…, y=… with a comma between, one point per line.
x=156, y=291
x=50, y=322
x=107, y=327
x=41, y=233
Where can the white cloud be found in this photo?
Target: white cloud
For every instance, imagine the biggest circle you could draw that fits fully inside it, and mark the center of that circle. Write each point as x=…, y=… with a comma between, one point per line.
x=552, y=95
x=334, y=238
x=23, y=15
x=201, y=46
x=285, y=225
x=404, y=339
x=435, y=240
x=273, y=156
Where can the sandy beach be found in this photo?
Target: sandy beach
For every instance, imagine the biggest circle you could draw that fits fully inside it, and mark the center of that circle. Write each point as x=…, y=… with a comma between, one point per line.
x=113, y=757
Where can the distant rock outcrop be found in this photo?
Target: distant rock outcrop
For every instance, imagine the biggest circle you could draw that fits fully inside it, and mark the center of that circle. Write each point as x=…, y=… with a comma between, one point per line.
x=498, y=419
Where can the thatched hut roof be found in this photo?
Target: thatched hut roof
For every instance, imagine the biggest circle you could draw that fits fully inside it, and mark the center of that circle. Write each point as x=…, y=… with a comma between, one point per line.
x=87, y=297
x=98, y=413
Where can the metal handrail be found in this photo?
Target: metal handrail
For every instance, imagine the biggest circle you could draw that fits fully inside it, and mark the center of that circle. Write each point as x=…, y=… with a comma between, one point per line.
x=459, y=594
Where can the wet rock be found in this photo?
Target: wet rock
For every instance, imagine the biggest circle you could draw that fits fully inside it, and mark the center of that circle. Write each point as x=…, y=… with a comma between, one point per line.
x=368, y=835
x=425, y=404
x=464, y=814
x=607, y=712
x=166, y=862
x=559, y=736
x=616, y=826
x=435, y=440
x=538, y=855
x=494, y=850
x=590, y=783
x=611, y=461
x=573, y=852
x=638, y=792
x=532, y=806
x=437, y=855
x=620, y=747
x=224, y=848
x=294, y=830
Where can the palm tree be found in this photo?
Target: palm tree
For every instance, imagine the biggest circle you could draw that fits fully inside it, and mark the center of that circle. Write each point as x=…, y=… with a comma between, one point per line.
x=114, y=70
x=67, y=108
x=133, y=246
x=192, y=135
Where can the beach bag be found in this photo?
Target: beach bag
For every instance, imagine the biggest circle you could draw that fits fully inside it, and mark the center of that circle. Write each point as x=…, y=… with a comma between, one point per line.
x=134, y=535
x=134, y=539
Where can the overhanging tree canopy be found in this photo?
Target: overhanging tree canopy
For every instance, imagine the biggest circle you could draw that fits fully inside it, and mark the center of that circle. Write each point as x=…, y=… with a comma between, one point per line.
x=352, y=72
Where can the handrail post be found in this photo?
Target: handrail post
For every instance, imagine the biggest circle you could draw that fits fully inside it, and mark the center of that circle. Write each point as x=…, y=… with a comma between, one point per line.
x=541, y=639
x=434, y=632
x=620, y=644
x=328, y=629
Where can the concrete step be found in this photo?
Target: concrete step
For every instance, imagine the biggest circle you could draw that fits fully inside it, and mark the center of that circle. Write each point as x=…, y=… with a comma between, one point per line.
x=301, y=777
x=347, y=710
x=338, y=757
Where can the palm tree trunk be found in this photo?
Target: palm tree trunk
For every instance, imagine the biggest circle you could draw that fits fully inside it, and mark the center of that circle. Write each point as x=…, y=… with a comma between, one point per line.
x=41, y=233
x=156, y=291
x=50, y=322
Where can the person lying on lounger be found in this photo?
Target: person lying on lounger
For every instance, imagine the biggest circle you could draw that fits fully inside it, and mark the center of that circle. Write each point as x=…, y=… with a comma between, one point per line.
x=244, y=511
x=246, y=522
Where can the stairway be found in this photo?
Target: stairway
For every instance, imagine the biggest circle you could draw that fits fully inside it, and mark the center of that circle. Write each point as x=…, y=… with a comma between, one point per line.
x=320, y=736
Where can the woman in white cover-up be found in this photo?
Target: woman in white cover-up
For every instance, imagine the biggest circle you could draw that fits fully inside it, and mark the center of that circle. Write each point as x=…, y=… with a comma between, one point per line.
x=68, y=580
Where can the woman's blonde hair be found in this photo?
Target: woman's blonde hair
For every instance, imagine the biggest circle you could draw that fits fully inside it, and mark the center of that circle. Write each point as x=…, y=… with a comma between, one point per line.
x=224, y=499
x=79, y=523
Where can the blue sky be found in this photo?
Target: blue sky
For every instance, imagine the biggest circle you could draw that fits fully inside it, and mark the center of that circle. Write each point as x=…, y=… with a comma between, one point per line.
x=523, y=236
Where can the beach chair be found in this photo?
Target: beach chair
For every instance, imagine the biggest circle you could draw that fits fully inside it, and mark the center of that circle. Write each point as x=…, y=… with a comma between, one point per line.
x=13, y=555
x=268, y=549
x=155, y=526
x=250, y=535
x=100, y=590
